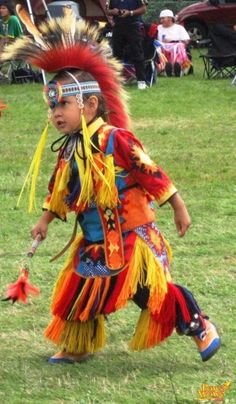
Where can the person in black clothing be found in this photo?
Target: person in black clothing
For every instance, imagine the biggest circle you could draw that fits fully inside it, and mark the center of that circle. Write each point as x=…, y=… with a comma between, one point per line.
x=126, y=31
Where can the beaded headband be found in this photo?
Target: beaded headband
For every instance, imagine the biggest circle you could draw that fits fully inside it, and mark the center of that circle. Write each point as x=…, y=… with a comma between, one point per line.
x=54, y=92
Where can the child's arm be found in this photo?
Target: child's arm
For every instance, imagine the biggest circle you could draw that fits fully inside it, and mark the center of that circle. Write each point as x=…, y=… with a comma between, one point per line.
x=42, y=226
x=129, y=154
x=181, y=216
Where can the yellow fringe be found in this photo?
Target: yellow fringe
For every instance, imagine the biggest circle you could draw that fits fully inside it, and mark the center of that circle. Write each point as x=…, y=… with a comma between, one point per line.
x=107, y=194
x=86, y=179
x=139, y=339
x=76, y=336
x=33, y=172
x=103, y=171
x=65, y=176
x=57, y=203
x=147, y=333
x=144, y=264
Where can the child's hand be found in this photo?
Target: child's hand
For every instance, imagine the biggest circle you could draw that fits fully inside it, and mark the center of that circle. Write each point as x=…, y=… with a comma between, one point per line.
x=182, y=220
x=181, y=216
x=42, y=226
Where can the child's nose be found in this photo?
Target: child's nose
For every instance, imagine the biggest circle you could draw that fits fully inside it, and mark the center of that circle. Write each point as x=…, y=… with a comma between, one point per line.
x=56, y=111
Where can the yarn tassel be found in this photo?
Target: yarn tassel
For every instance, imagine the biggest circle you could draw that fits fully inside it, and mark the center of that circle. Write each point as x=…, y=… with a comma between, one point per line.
x=153, y=277
x=106, y=192
x=97, y=177
x=76, y=336
x=33, y=172
x=86, y=179
x=59, y=192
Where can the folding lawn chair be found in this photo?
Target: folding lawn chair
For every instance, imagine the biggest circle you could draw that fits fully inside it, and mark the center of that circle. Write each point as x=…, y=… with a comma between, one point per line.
x=220, y=59
x=15, y=71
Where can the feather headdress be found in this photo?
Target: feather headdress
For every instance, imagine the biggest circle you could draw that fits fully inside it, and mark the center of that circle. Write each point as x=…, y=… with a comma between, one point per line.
x=60, y=45
x=65, y=43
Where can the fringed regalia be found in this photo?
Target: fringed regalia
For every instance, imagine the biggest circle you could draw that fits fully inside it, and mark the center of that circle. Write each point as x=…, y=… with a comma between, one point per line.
x=104, y=175
x=120, y=254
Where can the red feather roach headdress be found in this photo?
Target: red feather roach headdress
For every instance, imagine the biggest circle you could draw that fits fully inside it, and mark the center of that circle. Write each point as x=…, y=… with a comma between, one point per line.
x=62, y=44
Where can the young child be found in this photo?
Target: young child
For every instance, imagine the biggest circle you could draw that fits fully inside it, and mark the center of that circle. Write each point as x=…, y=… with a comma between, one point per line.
x=104, y=175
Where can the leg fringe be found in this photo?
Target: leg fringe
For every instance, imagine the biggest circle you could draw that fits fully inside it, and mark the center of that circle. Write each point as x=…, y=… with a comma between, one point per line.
x=147, y=334
x=146, y=271
x=77, y=337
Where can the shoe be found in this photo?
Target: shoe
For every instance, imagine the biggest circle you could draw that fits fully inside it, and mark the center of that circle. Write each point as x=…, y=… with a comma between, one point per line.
x=142, y=85
x=67, y=357
x=60, y=360
x=168, y=69
x=177, y=69
x=208, y=341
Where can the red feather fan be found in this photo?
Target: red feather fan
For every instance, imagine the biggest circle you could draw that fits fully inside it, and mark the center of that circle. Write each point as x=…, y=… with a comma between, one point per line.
x=20, y=290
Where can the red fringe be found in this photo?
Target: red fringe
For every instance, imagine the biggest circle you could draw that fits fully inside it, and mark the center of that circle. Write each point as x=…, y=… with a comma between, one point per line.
x=84, y=297
x=111, y=304
x=67, y=295
x=167, y=315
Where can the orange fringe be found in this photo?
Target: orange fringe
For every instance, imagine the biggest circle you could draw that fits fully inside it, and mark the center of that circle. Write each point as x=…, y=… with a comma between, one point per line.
x=76, y=336
x=93, y=294
x=148, y=333
x=104, y=294
x=154, y=278
x=54, y=329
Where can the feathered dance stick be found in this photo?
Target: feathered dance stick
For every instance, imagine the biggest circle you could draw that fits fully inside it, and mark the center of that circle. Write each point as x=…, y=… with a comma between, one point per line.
x=22, y=288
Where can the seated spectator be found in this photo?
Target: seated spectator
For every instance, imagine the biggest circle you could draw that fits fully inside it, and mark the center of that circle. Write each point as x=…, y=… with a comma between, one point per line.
x=10, y=26
x=174, y=39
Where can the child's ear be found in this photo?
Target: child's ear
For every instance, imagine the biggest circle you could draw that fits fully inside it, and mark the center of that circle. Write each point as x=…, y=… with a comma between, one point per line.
x=93, y=102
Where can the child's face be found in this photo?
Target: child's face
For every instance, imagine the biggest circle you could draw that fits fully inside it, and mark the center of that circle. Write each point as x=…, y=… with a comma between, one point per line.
x=66, y=116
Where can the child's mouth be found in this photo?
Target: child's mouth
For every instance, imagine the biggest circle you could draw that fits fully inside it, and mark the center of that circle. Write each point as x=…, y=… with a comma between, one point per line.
x=60, y=124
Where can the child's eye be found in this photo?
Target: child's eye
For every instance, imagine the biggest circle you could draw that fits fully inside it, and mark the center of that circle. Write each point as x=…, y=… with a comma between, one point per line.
x=64, y=102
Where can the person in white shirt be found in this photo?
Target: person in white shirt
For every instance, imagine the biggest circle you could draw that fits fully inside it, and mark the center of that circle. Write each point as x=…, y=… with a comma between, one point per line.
x=174, y=39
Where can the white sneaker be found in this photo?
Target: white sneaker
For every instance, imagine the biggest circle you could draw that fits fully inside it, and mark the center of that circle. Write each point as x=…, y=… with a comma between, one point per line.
x=142, y=85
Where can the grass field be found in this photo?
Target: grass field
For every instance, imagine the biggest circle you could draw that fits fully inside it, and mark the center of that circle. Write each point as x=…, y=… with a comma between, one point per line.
x=189, y=127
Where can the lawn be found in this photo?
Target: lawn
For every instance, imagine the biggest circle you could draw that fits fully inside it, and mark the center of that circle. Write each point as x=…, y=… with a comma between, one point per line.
x=188, y=126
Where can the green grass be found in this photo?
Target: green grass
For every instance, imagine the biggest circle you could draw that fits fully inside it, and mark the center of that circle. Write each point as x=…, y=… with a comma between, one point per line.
x=188, y=125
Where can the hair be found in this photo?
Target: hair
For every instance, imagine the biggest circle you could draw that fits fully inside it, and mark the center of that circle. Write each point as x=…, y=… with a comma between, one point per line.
x=82, y=77
x=9, y=5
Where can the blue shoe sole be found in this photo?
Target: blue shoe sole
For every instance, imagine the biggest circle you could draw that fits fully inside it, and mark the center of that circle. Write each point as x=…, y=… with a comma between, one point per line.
x=60, y=360
x=211, y=350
